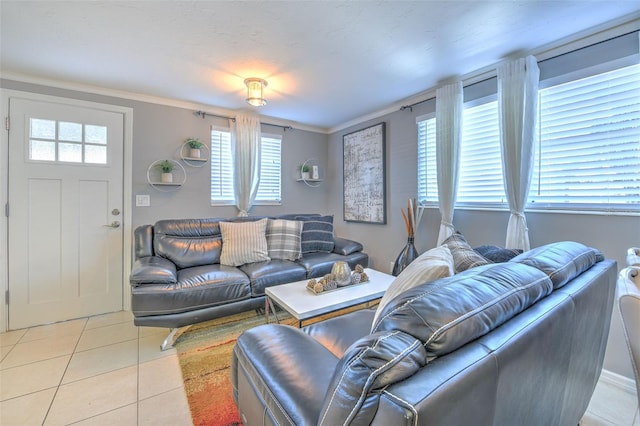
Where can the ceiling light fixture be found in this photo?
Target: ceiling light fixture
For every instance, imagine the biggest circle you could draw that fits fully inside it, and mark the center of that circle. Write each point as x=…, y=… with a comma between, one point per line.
x=255, y=88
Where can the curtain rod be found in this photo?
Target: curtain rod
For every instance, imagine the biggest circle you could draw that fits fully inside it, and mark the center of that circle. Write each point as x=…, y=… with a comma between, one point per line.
x=203, y=114
x=410, y=106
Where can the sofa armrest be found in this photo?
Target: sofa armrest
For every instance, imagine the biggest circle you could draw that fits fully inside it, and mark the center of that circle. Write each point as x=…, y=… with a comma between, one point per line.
x=143, y=241
x=345, y=246
x=369, y=365
x=338, y=333
x=153, y=270
x=280, y=374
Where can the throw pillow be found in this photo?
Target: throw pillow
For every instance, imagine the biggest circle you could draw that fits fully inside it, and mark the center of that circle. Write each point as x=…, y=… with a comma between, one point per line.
x=283, y=239
x=243, y=242
x=317, y=233
x=429, y=266
x=464, y=257
x=497, y=254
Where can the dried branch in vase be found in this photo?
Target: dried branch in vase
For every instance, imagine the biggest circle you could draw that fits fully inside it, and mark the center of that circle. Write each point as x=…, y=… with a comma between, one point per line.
x=412, y=216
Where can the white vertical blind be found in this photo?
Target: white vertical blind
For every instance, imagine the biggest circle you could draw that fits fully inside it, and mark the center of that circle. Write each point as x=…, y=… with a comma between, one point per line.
x=269, y=191
x=589, y=153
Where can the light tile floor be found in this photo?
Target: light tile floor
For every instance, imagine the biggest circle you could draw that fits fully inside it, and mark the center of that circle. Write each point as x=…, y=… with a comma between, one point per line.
x=103, y=370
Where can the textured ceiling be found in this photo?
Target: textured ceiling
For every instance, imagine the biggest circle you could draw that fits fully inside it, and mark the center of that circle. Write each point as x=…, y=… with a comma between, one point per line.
x=326, y=62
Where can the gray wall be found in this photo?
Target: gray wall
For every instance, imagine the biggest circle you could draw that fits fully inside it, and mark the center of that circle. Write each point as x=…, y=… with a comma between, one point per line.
x=158, y=132
x=612, y=234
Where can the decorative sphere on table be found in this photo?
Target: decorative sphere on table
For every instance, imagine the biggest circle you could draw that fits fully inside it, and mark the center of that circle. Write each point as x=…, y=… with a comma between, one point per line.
x=342, y=272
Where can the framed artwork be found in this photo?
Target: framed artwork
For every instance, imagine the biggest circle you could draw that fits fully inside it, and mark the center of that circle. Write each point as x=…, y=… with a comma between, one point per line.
x=364, y=174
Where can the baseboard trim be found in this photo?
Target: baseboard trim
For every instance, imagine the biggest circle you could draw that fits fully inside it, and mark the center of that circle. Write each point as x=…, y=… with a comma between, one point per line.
x=621, y=382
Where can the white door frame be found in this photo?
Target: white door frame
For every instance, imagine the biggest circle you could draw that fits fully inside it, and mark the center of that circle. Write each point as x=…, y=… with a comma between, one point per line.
x=4, y=189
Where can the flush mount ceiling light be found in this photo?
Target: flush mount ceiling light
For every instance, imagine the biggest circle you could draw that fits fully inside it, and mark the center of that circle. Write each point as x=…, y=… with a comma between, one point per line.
x=255, y=88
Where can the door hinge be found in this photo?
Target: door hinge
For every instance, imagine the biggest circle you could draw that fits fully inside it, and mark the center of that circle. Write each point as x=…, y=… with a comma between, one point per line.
x=6, y=297
x=6, y=209
x=7, y=123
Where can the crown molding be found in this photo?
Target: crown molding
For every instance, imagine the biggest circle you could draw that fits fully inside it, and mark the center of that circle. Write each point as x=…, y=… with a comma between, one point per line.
x=140, y=97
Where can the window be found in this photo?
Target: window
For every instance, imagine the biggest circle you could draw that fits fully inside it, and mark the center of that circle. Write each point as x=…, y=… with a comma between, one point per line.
x=67, y=142
x=480, y=170
x=222, y=169
x=427, y=168
x=480, y=167
x=589, y=149
x=587, y=157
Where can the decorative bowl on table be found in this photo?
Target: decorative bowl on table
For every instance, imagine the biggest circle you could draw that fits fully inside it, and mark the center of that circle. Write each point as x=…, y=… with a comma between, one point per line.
x=329, y=282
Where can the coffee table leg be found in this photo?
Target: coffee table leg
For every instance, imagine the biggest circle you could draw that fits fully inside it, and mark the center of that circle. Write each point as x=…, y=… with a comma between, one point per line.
x=267, y=306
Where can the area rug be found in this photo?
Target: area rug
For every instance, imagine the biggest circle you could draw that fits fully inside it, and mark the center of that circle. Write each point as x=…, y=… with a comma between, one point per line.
x=204, y=352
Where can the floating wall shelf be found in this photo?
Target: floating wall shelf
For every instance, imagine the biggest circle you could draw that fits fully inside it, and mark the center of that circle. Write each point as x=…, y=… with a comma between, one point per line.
x=154, y=176
x=185, y=155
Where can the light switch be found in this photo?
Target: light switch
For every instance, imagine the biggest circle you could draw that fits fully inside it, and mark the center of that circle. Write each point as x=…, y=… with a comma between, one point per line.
x=143, y=200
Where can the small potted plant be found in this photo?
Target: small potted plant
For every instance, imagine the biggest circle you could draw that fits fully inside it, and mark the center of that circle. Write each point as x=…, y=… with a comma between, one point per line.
x=194, y=145
x=167, y=167
x=304, y=171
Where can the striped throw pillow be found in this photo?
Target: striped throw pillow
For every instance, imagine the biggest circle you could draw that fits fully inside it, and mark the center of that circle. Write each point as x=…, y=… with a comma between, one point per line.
x=317, y=234
x=243, y=242
x=464, y=257
x=283, y=239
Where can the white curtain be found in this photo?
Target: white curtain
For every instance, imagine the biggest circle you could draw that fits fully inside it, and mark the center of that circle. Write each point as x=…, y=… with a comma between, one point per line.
x=448, y=133
x=518, y=103
x=245, y=151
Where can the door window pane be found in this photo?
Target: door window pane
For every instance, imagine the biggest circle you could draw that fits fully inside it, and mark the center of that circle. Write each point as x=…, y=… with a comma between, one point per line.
x=70, y=152
x=95, y=134
x=95, y=154
x=42, y=150
x=43, y=129
x=70, y=131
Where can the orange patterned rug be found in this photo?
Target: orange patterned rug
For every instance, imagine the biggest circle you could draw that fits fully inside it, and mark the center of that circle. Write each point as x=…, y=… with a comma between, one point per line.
x=204, y=351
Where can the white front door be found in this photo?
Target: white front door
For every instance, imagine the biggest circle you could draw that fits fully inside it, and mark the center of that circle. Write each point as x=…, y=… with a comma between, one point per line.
x=65, y=250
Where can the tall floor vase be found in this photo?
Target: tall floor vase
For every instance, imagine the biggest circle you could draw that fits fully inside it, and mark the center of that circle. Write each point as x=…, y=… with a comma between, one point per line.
x=406, y=256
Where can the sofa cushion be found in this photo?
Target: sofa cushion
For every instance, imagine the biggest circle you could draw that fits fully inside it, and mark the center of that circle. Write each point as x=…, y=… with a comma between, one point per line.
x=345, y=246
x=430, y=265
x=464, y=257
x=243, y=242
x=317, y=233
x=198, y=287
x=497, y=254
x=450, y=312
x=283, y=239
x=369, y=365
x=188, y=242
x=273, y=272
x=561, y=261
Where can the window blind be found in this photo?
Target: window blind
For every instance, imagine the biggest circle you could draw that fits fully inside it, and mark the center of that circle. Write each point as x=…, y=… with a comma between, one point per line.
x=480, y=169
x=589, y=143
x=270, y=171
x=427, y=168
x=221, y=168
x=269, y=190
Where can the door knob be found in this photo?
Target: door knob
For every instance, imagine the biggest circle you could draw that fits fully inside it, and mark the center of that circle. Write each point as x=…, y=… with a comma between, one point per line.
x=114, y=224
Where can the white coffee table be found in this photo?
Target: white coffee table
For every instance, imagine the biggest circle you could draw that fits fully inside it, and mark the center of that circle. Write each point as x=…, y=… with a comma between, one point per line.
x=303, y=304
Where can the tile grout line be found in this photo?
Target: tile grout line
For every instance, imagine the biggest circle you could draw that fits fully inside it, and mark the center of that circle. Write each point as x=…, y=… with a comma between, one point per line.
x=138, y=380
x=55, y=393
